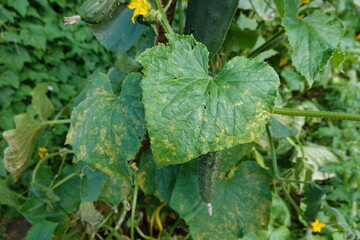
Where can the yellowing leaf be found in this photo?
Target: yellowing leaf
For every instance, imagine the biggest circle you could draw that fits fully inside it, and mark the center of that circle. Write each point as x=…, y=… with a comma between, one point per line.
x=21, y=142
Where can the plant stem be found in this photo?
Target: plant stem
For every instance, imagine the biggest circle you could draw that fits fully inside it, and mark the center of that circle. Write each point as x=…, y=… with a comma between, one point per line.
x=62, y=121
x=181, y=17
x=164, y=22
x=273, y=153
x=277, y=175
x=294, y=205
x=64, y=151
x=133, y=208
x=65, y=179
x=267, y=45
x=292, y=181
x=317, y=114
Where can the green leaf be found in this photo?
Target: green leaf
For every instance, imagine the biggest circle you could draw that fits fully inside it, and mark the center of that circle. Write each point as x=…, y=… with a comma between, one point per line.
x=34, y=210
x=91, y=183
x=314, y=197
x=119, y=34
x=19, y=5
x=106, y=130
x=40, y=102
x=69, y=192
x=190, y=113
x=279, y=127
x=8, y=197
x=14, y=57
x=10, y=78
x=313, y=39
x=241, y=204
x=21, y=143
x=41, y=231
x=154, y=181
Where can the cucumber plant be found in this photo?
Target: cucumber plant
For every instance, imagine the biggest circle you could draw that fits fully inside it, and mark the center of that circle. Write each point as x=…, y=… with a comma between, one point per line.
x=174, y=122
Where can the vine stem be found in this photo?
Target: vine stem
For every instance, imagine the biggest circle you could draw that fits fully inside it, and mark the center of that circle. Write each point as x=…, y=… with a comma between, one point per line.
x=62, y=121
x=63, y=151
x=164, y=22
x=277, y=175
x=267, y=45
x=317, y=114
x=65, y=179
x=133, y=208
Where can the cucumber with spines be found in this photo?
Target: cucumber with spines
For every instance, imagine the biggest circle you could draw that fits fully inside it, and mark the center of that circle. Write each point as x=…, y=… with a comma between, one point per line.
x=97, y=11
x=207, y=176
x=209, y=21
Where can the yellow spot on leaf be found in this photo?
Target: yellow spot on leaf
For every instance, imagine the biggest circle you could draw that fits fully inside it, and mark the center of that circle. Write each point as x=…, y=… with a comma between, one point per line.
x=304, y=2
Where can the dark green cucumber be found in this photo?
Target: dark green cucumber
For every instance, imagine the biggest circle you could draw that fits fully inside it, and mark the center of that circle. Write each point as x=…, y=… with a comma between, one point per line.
x=97, y=11
x=207, y=173
x=209, y=21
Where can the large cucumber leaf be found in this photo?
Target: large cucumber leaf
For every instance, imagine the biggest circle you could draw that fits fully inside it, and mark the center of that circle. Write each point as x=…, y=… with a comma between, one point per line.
x=190, y=113
x=242, y=202
x=313, y=38
x=106, y=130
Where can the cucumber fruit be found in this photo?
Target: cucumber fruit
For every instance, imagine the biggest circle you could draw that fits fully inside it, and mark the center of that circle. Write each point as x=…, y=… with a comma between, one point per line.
x=207, y=175
x=97, y=11
x=209, y=21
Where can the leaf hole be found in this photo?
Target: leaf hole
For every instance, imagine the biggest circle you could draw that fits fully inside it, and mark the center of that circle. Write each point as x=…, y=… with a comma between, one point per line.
x=204, y=107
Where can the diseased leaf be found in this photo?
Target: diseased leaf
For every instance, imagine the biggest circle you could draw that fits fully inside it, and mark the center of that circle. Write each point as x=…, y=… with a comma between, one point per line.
x=21, y=142
x=41, y=103
x=106, y=130
x=90, y=215
x=41, y=231
x=154, y=181
x=119, y=34
x=190, y=113
x=242, y=203
x=313, y=38
x=116, y=190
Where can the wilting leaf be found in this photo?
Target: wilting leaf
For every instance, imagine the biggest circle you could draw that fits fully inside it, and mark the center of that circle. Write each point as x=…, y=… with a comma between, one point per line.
x=21, y=142
x=41, y=103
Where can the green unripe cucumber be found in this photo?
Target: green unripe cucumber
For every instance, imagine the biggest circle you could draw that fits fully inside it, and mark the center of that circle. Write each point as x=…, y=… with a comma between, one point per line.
x=207, y=173
x=97, y=11
x=209, y=21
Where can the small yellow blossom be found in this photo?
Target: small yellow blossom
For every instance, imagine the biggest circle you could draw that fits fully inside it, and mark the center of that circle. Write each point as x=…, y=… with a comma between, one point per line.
x=141, y=7
x=317, y=226
x=134, y=166
x=357, y=37
x=43, y=152
x=304, y=2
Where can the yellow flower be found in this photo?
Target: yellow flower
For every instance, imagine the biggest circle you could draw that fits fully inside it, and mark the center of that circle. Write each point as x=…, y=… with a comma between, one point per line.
x=304, y=2
x=42, y=152
x=317, y=226
x=141, y=7
x=357, y=37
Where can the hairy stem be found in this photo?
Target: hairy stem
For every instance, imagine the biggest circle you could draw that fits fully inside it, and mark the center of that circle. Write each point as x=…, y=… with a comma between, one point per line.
x=317, y=114
x=164, y=22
